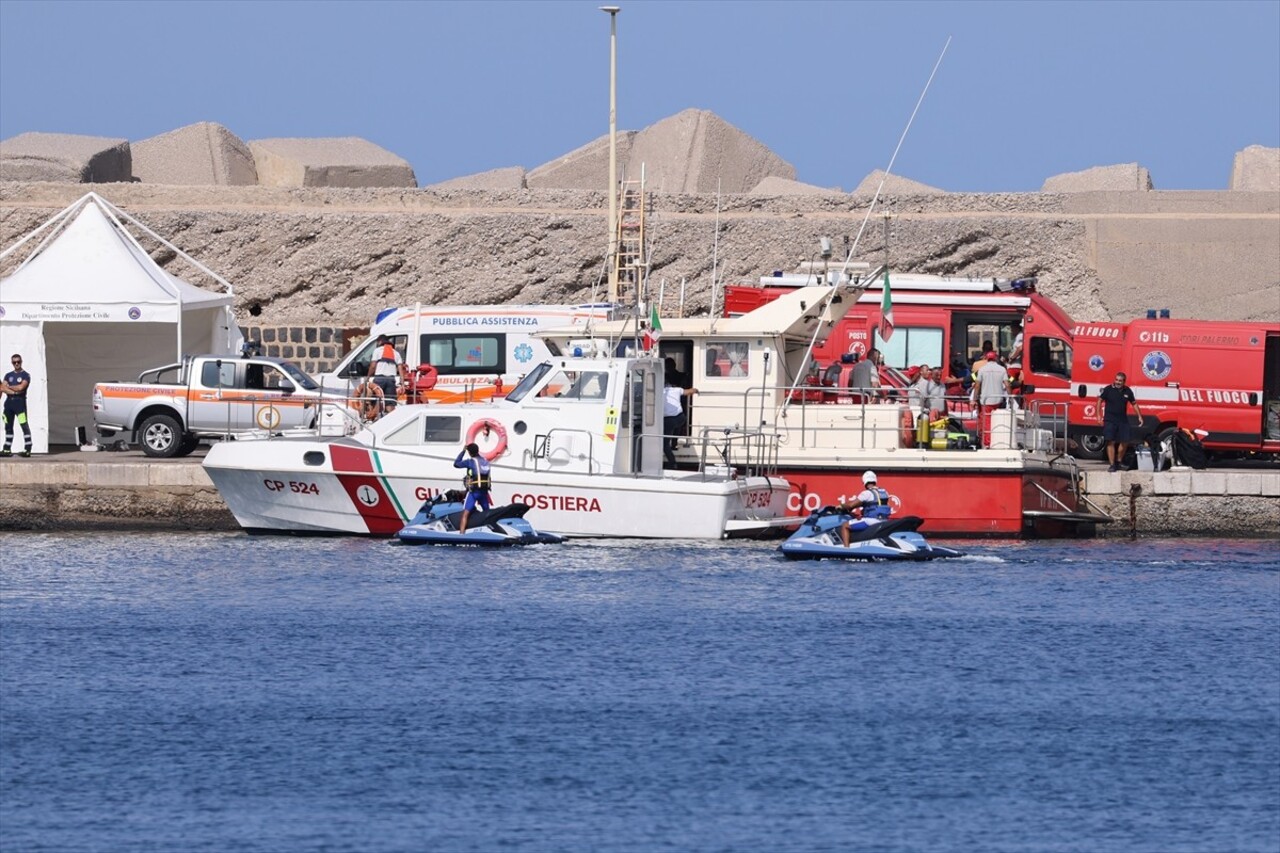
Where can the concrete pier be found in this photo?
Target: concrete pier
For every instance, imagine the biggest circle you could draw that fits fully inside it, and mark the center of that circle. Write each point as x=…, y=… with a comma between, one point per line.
x=68, y=489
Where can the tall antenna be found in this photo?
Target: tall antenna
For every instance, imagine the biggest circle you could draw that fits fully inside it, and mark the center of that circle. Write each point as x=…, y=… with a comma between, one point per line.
x=889, y=169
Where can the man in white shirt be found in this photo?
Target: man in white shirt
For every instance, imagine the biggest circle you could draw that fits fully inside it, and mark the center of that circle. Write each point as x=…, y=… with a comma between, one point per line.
x=673, y=416
x=990, y=389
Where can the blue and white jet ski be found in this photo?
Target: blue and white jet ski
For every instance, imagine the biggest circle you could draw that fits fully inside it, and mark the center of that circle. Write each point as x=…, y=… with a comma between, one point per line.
x=818, y=538
x=438, y=521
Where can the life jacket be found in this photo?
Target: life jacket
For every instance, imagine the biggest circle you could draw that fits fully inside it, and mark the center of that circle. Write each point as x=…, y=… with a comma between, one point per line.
x=387, y=353
x=477, y=477
x=881, y=508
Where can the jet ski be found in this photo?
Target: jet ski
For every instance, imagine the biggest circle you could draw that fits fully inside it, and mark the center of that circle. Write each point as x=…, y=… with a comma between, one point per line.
x=438, y=521
x=818, y=537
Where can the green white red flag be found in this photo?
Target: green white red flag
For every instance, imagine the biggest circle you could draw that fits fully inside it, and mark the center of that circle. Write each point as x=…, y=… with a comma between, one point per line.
x=886, y=311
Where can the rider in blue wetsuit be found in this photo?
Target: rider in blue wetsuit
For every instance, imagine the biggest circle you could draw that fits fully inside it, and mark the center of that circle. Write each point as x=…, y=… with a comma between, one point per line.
x=872, y=500
x=476, y=479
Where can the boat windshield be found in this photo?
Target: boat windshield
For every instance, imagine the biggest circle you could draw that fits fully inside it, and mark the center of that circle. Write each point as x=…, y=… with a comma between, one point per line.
x=530, y=381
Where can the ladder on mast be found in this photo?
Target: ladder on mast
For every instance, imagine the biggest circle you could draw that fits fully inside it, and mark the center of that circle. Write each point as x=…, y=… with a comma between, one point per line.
x=631, y=261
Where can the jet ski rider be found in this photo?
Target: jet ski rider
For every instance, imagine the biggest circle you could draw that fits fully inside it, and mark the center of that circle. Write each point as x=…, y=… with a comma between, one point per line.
x=477, y=481
x=872, y=501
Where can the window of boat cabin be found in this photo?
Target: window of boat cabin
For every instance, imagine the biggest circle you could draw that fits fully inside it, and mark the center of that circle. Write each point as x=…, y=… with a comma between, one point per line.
x=728, y=359
x=358, y=367
x=218, y=374
x=427, y=429
x=576, y=385
x=531, y=380
x=1051, y=356
x=461, y=355
x=911, y=345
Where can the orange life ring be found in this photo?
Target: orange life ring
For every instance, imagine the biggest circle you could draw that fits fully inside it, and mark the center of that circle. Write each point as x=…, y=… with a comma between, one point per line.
x=367, y=399
x=488, y=426
x=908, y=424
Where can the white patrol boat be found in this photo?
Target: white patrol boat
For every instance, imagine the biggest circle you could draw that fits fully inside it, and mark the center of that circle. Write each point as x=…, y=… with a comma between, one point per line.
x=579, y=440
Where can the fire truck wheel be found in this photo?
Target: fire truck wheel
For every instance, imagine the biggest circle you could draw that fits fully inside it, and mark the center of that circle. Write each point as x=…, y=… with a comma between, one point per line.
x=1091, y=446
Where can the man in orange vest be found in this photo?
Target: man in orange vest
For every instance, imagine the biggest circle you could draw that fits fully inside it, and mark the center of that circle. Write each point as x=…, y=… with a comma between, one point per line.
x=386, y=367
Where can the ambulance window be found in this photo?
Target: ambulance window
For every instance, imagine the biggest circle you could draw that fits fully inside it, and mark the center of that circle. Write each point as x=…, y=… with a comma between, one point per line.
x=461, y=355
x=1051, y=356
x=911, y=345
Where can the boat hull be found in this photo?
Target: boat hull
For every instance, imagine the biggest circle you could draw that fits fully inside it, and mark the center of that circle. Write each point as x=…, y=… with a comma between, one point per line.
x=344, y=487
x=1010, y=501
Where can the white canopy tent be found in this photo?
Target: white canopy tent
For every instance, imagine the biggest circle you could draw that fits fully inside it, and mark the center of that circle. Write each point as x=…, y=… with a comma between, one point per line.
x=88, y=304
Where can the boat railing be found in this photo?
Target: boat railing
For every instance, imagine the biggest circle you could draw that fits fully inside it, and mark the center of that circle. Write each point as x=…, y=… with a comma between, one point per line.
x=753, y=451
x=854, y=419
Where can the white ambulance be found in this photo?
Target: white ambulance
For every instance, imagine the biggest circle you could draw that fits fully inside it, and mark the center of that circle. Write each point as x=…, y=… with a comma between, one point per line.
x=462, y=353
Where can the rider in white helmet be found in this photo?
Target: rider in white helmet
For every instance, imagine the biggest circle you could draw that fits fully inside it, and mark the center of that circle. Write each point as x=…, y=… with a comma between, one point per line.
x=872, y=500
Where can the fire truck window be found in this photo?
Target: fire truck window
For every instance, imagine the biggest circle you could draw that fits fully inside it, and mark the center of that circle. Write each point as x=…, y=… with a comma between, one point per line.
x=1051, y=356
x=911, y=345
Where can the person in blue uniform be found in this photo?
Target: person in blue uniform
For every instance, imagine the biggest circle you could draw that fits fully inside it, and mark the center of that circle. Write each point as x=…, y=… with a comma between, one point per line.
x=476, y=479
x=14, y=390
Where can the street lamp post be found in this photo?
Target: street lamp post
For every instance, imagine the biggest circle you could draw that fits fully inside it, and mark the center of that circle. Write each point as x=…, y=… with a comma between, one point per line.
x=612, y=257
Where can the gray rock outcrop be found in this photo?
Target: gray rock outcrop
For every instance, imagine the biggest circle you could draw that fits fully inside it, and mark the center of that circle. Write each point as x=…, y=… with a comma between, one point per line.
x=335, y=162
x=65, y=158
x=202, y=154
x=1124, y=176
x=1256, y=169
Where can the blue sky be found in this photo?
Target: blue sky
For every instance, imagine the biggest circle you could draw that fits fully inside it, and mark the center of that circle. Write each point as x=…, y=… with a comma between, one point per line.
x=1027, y=90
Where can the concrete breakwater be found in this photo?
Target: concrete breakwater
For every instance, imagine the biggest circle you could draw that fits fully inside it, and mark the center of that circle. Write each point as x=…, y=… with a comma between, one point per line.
x=127, y=491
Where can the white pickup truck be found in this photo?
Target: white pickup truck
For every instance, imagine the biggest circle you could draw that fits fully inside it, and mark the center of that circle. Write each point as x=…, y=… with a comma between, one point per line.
x=171, y=409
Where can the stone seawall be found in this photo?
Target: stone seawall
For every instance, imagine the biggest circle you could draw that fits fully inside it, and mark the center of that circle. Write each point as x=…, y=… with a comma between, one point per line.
x=333, y=257
x=127, y=492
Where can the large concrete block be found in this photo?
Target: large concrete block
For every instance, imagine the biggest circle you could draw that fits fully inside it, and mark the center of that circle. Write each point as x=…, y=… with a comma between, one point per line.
x=585, y=168
x=178, y=474
x=1208, y=483
x=1256, y=169
x=894, y=185
x=65, y=158
x=339, y=162
x=510, y=178
x=773, y=185
x=1124, y=176
x=1243, y=483
x=204, y=154
x=1172, y=482
x=696, y=151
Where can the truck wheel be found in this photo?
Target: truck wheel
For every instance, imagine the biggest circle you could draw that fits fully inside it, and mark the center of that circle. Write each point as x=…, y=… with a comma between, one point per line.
x=1090, y=446
x=189, y=443
x=160, y=436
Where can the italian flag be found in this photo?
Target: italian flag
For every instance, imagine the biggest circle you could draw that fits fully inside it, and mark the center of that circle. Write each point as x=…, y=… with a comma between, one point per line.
x=886, y=311
x=654, y=331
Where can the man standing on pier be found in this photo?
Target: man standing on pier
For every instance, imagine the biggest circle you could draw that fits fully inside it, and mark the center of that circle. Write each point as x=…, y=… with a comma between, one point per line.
x=1113, y=415
x=13, y=387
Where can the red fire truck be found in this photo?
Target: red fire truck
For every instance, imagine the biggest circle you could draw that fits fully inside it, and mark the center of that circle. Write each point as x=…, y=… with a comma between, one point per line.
x=1219, y=378
x=946, y=321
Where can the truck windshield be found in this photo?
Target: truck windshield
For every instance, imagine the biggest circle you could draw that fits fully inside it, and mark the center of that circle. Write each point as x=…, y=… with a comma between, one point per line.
x=296, y=373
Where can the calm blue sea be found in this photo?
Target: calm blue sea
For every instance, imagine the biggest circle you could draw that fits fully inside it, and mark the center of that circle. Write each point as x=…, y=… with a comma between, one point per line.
x=222, y=693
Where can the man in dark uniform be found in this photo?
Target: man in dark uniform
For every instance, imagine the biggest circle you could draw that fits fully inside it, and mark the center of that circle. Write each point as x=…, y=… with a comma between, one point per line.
x=1113, y=414
x=14, y=389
